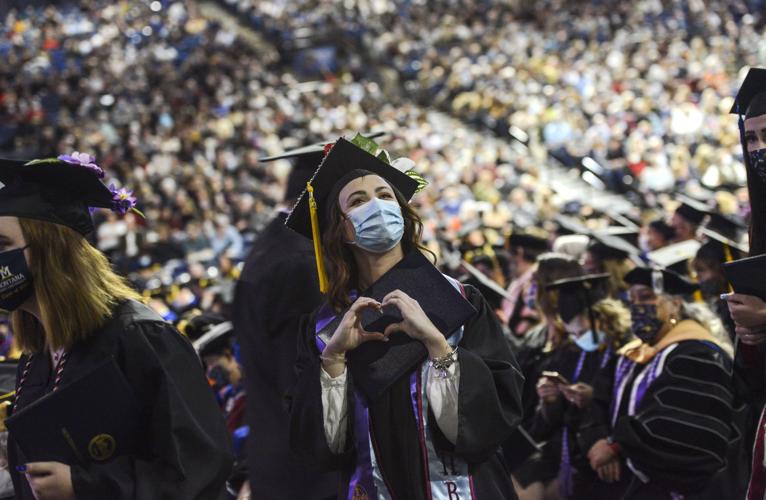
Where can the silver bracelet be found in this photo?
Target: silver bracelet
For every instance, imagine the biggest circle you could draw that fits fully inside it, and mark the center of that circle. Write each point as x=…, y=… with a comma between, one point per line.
x=442, y=364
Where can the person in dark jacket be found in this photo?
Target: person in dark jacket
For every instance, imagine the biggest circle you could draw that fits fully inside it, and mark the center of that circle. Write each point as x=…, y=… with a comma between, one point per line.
x=277, y=286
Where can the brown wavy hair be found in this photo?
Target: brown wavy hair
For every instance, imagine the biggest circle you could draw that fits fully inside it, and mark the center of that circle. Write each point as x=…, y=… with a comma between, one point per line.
x=342, y=272
x=75, y=288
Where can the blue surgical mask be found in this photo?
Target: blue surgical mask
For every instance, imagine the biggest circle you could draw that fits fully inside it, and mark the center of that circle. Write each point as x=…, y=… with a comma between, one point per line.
x=378, y=225
x=758, y=162
x=585, y=340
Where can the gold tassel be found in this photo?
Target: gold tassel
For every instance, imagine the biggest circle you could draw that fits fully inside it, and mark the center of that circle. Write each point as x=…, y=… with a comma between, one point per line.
x=317, y=241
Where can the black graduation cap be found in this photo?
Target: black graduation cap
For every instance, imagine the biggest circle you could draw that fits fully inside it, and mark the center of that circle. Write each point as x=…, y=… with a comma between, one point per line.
x=676, y=256
x=216, y=340
x=311, y=149
x=579, y=293
x=606, y=246
x=53, y=190
x=692, y=210
x=666, y=230
x=751, y=98
x=532, y=237
x=661, y=280
x=485, y=283
x=344, y=163
x=376, y=365
x=306, y=159
x=570, y=225
x=725, y=230
x=198, y=323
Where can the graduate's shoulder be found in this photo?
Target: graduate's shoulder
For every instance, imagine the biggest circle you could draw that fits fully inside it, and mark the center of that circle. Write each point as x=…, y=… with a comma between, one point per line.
x=135, y=325
x=699, y=361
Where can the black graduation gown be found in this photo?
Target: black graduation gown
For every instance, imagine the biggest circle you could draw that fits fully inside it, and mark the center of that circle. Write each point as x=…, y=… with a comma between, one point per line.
x=532, y=355
x=184, y=449
x=489, y=409
x=549, y=427
x=277, y=286
x=680, y=433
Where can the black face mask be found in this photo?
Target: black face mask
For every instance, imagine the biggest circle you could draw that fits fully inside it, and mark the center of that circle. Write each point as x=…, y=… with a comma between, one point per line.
x=15, y=279
x=758, y=163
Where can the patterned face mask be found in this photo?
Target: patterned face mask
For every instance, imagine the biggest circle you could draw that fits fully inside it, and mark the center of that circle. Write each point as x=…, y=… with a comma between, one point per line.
x=758, y=163
x=644, y=321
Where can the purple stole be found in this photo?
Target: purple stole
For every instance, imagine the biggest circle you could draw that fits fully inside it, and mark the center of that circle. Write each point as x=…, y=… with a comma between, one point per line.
x=642, y=382
x=447, y=478
x=565, y=469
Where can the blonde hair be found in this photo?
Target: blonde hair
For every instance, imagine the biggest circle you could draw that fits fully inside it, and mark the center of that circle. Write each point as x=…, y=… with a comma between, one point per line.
x=75, y=288
x=617, y=270
x=614, y=320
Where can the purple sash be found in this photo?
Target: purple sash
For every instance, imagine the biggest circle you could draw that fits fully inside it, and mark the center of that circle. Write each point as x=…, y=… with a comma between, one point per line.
x=566, y=470
x=366, y=481
x=362, y=485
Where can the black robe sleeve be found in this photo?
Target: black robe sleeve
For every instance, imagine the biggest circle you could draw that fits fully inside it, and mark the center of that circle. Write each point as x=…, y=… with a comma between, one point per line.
x=680, y=432
x=306, y=427
x=186, y=435
x=595, y=423
x=489, y=395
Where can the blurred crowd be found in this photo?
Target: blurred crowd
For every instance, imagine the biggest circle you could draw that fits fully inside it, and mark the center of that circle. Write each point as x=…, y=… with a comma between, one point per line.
x=516, y=115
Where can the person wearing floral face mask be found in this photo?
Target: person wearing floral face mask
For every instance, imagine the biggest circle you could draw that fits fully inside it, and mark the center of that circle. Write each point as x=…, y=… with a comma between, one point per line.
x=405, y=440
x=662, y=409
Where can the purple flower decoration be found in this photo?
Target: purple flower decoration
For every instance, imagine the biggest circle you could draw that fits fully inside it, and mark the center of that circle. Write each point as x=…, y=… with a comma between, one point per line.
x=122, y=200
x=84, y=160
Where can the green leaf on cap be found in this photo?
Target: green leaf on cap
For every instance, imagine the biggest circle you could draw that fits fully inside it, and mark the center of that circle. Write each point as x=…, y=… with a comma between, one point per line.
x=42, y=161
x=383, y=155
x=422, y=183
x=365, y=144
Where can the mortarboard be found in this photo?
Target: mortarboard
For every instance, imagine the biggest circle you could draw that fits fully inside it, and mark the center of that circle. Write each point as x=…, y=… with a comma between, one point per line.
x=376, y=365
x=531, y=237
x=216, y=339
x=675, y=256
x=666, y=230
x=305, y=162
x=747, y=275
x=344, y=162
x=691, y=209
x=605, y=246
x=754, y=85
x=578, y=294
x=196, y=323
x=485, y=282
x=726, y=231
x=570, y=225
x=54, y=190
x=661, y=281
x=311, y=149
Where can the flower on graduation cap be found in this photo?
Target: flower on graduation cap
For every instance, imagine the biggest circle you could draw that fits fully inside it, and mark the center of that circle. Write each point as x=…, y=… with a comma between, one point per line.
x=327, y=148
x=84, y=160
x=123, y=200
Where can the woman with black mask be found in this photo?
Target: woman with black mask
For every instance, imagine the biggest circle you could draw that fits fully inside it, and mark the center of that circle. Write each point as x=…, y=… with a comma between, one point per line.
x=80, y=325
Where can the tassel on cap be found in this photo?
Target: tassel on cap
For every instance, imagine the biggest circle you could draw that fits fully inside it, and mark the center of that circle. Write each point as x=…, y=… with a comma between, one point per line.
x=313, y=212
